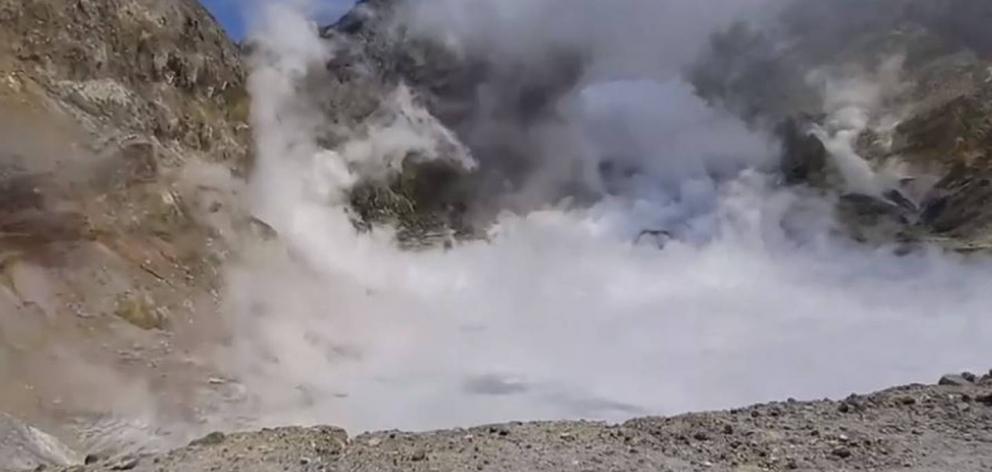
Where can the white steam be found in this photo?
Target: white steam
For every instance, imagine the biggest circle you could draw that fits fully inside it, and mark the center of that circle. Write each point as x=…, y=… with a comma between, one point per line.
x=559, y=315
x=626, y=38
x=855, y=103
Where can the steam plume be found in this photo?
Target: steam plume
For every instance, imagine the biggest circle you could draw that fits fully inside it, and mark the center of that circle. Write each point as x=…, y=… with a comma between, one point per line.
x=559, y=315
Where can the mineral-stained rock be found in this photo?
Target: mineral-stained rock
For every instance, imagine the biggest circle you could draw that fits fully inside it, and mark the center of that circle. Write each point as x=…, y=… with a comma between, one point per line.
x=163, y=69
x=958, y=132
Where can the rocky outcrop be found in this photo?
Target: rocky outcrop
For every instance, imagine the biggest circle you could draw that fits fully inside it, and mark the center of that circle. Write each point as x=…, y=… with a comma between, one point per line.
x=109, y=108
x=924, y=76
x=491, y=104
x=123, y=137
x=158, y=69
x=925, y=69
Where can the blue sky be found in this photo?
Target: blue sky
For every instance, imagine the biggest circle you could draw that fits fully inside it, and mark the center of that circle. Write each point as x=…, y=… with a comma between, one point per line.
x=231, y=13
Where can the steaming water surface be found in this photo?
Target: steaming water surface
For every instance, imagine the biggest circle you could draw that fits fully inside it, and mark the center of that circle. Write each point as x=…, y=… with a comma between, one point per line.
x=561, y=317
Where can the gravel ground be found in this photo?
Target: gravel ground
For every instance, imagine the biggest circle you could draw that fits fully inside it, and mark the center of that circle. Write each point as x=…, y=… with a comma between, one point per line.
x=943, y=428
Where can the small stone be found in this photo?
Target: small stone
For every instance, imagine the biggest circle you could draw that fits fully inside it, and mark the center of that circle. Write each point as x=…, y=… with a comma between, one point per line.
x=969, y=377
x=304, y=461
x=844, y=408
x=126, y=463
x=499, y=430
x=954, y=381
x=419, y=455
x=842, y=452
x=701, y=436
x=375, y=442
x=211, y=439
x=91, y=459
x=728, y=429
x=907, y=401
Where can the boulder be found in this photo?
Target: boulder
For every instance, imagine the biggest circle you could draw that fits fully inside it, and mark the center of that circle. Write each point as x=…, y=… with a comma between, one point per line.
x=955, y=380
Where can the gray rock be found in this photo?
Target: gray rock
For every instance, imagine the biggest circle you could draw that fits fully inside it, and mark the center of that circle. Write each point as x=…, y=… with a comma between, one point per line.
x=211, y=439
x=842, y=452
x=24, y=447
x=126, y=463
x=987, y=378
x=955, y=380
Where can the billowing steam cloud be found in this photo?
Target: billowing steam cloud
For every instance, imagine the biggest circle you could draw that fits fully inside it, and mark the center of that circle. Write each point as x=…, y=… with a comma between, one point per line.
x=558, y=314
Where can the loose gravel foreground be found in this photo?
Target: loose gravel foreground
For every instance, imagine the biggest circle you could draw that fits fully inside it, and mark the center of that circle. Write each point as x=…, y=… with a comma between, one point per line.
x=945, y=428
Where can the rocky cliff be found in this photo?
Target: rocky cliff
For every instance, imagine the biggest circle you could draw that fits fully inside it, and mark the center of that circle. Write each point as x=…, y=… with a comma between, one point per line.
x=490, y=103
x=123, y=141
x=921, y=118
x=924, y=68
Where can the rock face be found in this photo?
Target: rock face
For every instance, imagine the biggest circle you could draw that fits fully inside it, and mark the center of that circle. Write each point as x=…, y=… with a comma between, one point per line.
x=492, y=105
x=162, y=70
x=23, y=447
x=123, y=133
x=927, y=116
x=924, y=67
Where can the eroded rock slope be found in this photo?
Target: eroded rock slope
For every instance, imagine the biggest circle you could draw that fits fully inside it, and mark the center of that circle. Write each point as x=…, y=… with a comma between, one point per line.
x=123, y=139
